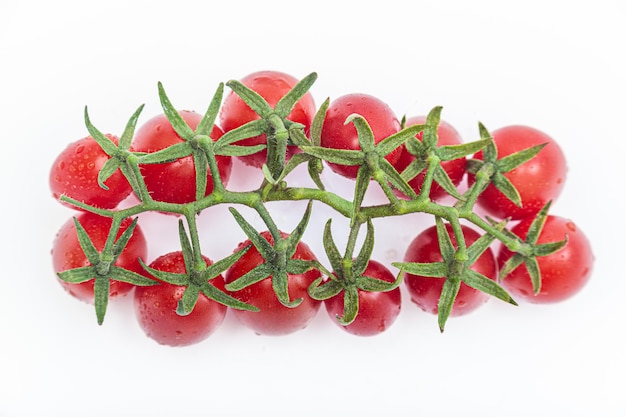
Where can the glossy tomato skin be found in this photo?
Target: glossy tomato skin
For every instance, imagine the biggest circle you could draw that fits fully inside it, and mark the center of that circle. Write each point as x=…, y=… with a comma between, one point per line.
x=155, y=307
x=74, y=173
x=447, y=135
x=377, y=310
x=425, y=291
x=175, y=182
x=273, y=317
x=563, y=273
x=67, y=253
x=338, y=135
x=538, y=181
x=272, y=86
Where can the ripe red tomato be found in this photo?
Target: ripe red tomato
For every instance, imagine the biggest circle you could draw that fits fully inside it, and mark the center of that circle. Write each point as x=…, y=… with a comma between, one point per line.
x=272, y=86
x=425, y=291
x=155, y=307
x=68, y=254
x=175, y=182
x=75, y=172
x=338, y=135
x=563, y=273
x=377, y=310
x=273, y=317
x=538, y=181
x=447, y=135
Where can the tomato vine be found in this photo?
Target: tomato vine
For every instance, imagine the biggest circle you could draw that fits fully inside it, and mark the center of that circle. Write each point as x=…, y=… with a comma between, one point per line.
x=289, y=144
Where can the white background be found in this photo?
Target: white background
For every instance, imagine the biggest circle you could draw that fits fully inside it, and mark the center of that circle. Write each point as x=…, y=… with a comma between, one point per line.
x=555, y=65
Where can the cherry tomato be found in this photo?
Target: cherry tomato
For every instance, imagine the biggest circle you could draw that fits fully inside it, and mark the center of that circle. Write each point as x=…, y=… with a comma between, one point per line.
x=538, y=181
x=274, y=318
x=272, y=86
x=68, y=254
x=175, y=182
x=447, y=135
x=75, y=172
x=425, y=291
x=377, y=310
x=338, y=135
x=563, y=273
x=155, y=307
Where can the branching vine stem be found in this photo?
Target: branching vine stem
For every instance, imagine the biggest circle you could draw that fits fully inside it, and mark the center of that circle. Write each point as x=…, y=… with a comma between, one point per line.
x=274, y=187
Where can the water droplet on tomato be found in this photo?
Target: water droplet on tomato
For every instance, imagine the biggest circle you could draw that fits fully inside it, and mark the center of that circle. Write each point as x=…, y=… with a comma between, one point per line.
x=79, y=148
x=62, y=165
x=571, y=226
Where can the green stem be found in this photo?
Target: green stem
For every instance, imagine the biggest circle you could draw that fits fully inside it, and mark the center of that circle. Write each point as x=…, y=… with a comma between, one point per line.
x=276, y=145
x=348, y=257
x=512, y=243
x=380, y=177
x=107, y=251
x=482, y=180
x=461, y=250
x=218, y=184
x=192, y=224
x=351, y=244
x=268, y=220
x=339, y=204
x=136, y=179
x=433, y=162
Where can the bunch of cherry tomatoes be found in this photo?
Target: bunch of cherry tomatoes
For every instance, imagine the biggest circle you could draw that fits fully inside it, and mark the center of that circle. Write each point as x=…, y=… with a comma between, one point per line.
x=181, y=297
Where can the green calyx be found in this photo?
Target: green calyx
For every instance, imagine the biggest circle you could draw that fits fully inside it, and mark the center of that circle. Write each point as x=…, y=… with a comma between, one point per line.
x=348, y=273
x=279, y=262
x=529, y=259
x=102, y=267
x=491, y=170
x=455, y=268
x=197, y=277
x=277, y=127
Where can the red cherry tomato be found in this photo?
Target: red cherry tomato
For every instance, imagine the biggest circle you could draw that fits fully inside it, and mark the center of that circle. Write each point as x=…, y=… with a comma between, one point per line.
x=274, y=318
x=272, y=86
x=338, y=135
x=538, y=181
x=377, y=310
x=68, y=254
x=75, y=172
x=563, y=273
x=447, y=135
x=175, y=182
x=426, y=291
x=155, y=307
